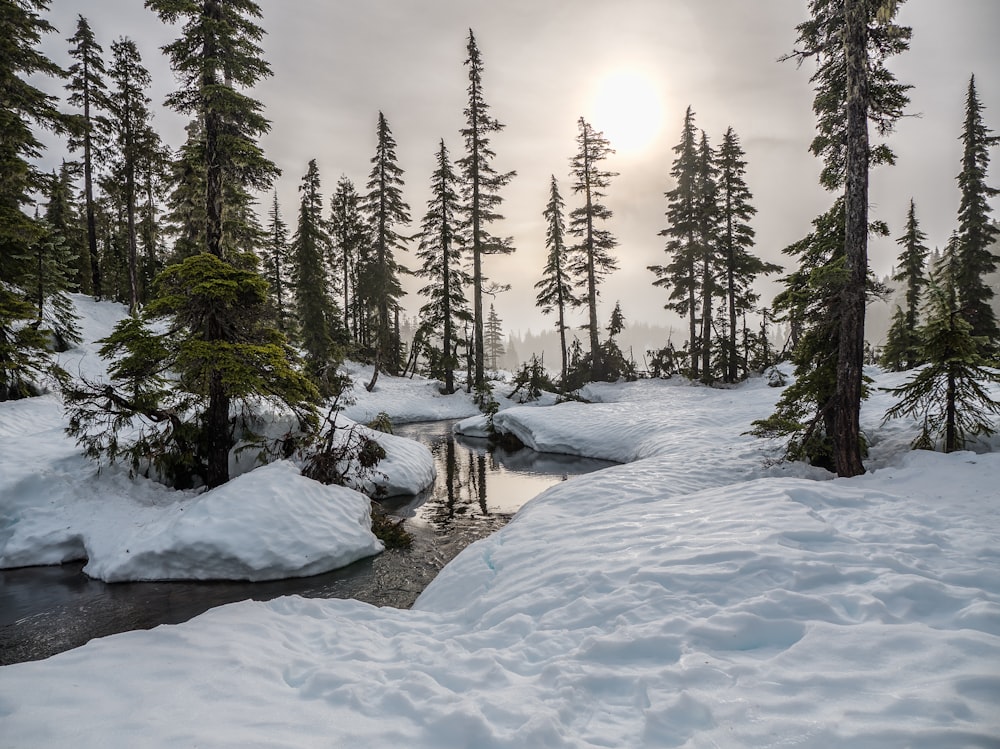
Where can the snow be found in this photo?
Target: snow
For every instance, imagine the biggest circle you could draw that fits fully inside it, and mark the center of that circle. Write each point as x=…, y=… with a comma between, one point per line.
x=697, y=596
x=268, y=523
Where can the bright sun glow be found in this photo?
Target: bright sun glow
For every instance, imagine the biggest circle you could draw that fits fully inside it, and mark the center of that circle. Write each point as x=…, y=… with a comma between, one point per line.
x=628, y=109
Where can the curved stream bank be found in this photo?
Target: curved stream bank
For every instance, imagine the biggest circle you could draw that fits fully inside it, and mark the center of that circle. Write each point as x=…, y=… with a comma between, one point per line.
x=46, y=610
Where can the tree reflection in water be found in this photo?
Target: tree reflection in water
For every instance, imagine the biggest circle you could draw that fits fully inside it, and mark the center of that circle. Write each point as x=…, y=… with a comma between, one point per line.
x=479, y=483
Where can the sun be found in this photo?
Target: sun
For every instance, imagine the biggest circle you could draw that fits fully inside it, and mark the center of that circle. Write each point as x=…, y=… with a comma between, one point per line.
x=628, y=109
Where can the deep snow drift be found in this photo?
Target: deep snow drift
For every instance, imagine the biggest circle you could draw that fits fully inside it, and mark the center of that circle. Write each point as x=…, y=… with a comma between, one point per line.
x=694, y=597
x=55, y=505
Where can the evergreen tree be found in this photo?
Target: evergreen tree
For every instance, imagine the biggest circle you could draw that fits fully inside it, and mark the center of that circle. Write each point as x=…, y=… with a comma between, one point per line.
x=23, y=347
x=683, y=247
x=902, y=345
x=555, y=290
x=155, y=413
x=216, y=59
x=276, y=259
x=316, y=313
x=129, y=121
x=709, y=261
x=949, y=395
x=347, y=228
x=64, y=219
x=976, y=232
x=88, y=92
x=386, y=211
x=441, y=252
x=54, y=259
x=480, y=194
x=493, y=339
x=851, y=40
x=592, y=259
x=185, y=206
x=736, y=239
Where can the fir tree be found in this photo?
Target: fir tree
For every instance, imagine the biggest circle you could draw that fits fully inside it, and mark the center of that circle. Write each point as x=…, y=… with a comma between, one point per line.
x=976, y=232
x=155, y=413
x=387, y=212
x=736, y=239
x=216, y=59
x=64, y=219
x=23, y=347
x=54, y=257
x=480, y=194
x=129, y=121
x=88, y=92
x=556, y=289
x=441, y=252
x=349, y=235
x=949, y=395
x=902, y=345
x=592, y=259
x=851, y=40
x=709, y=261
x=276, y=259
x=316, y=313
x=683, y=247
x=493, y=339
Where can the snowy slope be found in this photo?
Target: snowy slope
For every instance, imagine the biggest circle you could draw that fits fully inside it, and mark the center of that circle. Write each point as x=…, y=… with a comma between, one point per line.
x=695, y=597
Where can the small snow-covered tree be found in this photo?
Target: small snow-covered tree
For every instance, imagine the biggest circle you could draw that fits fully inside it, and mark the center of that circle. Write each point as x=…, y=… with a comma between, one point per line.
x=902, y=345
x=556, y=289
x=493, y=336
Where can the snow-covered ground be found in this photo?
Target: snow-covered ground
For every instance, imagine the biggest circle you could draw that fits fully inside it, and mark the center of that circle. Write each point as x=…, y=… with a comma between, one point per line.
x=56, y=506
x=695, y=597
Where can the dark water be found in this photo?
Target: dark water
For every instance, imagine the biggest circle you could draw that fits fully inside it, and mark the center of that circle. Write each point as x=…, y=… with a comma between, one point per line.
x=46, y=610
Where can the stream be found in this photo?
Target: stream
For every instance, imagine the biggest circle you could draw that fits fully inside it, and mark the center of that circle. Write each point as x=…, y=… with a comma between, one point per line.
x=46, y=610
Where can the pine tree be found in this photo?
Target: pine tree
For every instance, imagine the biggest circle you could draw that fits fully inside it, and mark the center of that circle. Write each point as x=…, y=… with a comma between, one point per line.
x=132, y=136
x=493, y=338
x=155, y=412
x=88, y=92
x=441, y=250
x=976, y=232
x=62, y=214
x=949, y=395
x=556, y=289
x=54, y=259
x=736, y=239
x=349, y=234
x=709, y=261
x=24, y=358
x=386, y=211
x=851, y=40
x=316, y=314
x=276, y=261
x=592, y=259
x=683, y=247
x=480, y=194
x=216, y=59
x=902, y=345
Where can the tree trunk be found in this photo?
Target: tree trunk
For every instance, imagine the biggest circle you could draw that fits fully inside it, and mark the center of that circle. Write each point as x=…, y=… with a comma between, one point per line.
x=950, y=422
x=213, y=129
x=706, y=323
x=850, y=354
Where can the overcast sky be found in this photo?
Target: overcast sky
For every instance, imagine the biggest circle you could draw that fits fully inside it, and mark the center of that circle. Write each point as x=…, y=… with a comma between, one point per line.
x=337, y=63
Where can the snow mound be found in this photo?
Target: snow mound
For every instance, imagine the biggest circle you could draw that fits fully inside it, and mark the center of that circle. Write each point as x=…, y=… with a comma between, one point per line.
x=269, y=524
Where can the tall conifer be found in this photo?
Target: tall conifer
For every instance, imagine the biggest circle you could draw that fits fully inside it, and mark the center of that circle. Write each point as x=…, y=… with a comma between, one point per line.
x=902, y=346
x=441, y=250
x=680, y=275
x=592, y=258
x=556, y=289
x=976, y=232
x=480, y=194
x=88, y=92
x=387, y=212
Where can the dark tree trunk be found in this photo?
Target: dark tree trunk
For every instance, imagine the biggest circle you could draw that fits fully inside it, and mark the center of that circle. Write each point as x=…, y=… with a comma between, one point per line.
x=850, y=354
x=706, y=323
